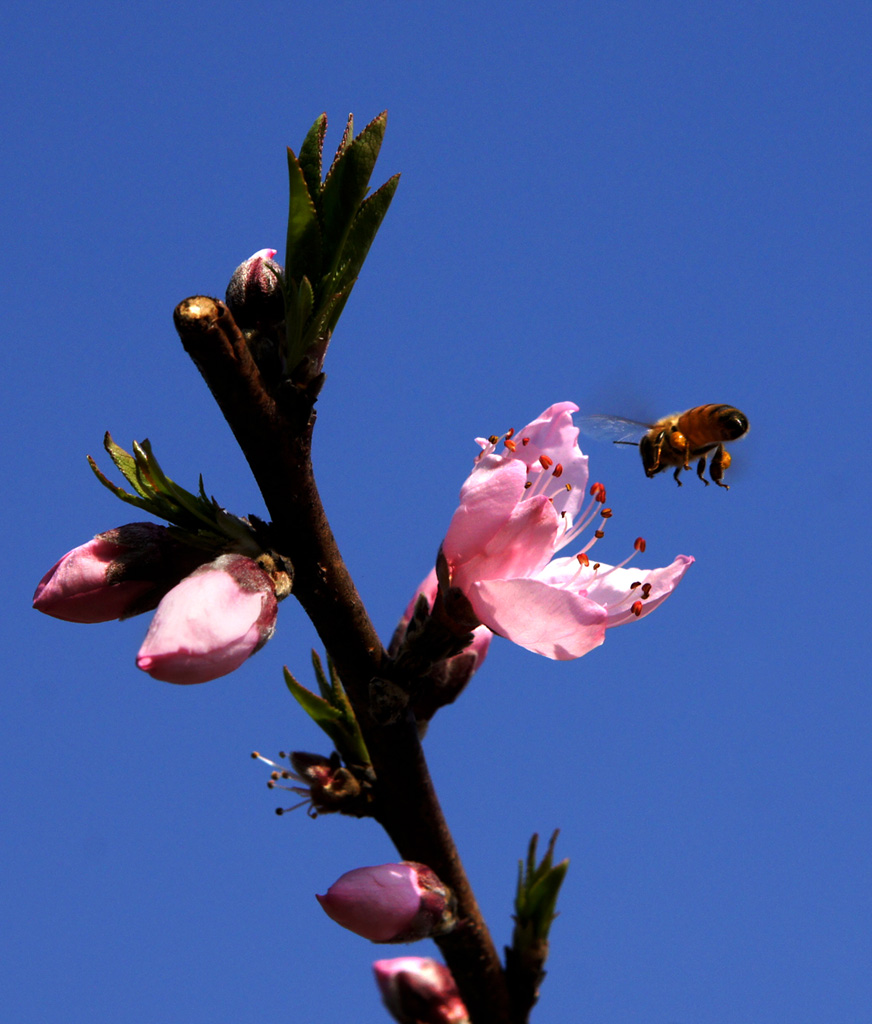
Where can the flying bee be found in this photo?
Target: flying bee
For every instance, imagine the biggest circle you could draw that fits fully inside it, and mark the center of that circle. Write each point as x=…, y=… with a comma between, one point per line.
x=677, y=439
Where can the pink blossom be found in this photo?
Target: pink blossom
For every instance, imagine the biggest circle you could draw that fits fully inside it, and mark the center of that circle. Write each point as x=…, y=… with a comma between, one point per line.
x=418, y=990
x=119, y=573
x=211, y=622
x=519, y=508
x=391, y=903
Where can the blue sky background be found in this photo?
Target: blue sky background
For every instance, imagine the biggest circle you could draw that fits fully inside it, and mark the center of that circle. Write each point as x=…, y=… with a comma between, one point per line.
x=638, y=207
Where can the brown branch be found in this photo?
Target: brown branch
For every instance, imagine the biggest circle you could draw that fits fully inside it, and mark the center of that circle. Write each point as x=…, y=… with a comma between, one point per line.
x=274, y=432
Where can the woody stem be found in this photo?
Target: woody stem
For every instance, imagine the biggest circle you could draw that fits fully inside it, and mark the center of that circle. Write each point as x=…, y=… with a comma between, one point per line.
x=274, y=431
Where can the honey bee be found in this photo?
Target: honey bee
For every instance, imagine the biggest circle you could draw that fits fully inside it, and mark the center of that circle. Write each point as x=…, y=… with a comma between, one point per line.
x=677, y=439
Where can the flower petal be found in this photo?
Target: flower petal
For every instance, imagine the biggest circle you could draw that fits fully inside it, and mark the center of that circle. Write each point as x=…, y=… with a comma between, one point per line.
x=519, y=548
x=556, y=623
x=491, y=491
x=554, y=435
x=208, y=625
x=614, y=590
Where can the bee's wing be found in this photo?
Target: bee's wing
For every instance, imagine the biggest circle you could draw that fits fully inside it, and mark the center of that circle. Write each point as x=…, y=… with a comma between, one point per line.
x=611, y=428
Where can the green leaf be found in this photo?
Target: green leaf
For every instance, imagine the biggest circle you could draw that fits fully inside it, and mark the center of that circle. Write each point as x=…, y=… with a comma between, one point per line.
x=332, y=711
x=303, y=251
x=201, y=519
x=317, y=708
x=321, y=712
x=125, y=463
x=299, y=303
x=305, y=302
x=321, y=323
x=119, y=492
x=363, y=230
x=536, y=898
x=347, y=136
x=310, y=157
x=346, y=186
x=323, y=684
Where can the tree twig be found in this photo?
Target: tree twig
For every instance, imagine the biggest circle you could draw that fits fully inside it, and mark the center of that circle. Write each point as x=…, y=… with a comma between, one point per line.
x=274, y=431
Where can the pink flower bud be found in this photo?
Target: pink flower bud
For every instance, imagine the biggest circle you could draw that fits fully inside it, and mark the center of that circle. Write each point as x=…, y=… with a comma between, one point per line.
x=119, y=573
x=391, y=903
x=211, y=622
x=254, y=295
x=417, y=990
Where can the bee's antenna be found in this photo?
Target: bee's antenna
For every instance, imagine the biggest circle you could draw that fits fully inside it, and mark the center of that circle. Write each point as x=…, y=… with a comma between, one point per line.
x=635, y=444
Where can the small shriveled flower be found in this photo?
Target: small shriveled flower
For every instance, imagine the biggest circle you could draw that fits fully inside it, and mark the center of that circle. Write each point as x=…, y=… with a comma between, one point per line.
x=391, y=903
x=326, y=785
x=211, y=622
x=418, y=990
x=122, y=572
x=519, y=508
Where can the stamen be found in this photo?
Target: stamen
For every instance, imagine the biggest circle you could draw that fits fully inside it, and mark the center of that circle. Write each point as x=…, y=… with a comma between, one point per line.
x=259, y=757
x=620, y=565
x=509, y=444
x=304, y=791
x=558, y=470
x=585, y=516
x=542, y=480
x=287, y=810
x=639, y=544
x=606, y=513
x=637, y=608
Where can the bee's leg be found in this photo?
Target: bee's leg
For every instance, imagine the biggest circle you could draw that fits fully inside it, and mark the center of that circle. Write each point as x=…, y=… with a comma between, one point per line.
x=720, y=462
x=678, y=469
x=680, y=445
x=700, y=469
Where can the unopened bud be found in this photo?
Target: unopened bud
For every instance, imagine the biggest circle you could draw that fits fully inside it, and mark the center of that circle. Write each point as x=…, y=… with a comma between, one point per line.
x=211, y=622
x=254, y=295
x=391, y=903
x=119, y=573
x=418, y=990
